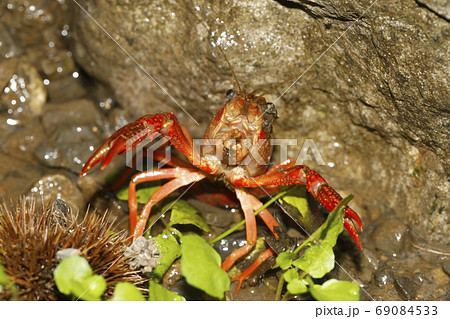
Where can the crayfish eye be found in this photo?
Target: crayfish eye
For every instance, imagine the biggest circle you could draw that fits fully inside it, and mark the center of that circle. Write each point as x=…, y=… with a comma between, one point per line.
x=270, y=114
x=230, y=94
x=270, y=109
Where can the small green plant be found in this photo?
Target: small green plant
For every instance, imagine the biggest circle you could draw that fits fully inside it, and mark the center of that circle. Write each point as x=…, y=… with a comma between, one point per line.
x=74, y=276
x=297, y=204
x=125, y=291
x=200, y=263
x=158, y=292
x=182, y=214
x=317, y=261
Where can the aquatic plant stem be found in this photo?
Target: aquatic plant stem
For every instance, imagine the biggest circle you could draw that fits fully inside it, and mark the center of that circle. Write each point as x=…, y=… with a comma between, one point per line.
x=235, y=227
x=279, y=287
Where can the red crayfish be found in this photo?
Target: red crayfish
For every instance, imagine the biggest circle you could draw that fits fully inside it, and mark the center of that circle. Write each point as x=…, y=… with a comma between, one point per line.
x=241, y=130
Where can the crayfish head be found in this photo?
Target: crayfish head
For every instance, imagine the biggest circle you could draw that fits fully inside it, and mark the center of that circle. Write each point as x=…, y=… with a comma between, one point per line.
x=242, y=129
x=243, y=111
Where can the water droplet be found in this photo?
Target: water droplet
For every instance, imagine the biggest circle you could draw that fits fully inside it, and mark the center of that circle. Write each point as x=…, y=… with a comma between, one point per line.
x=12, y=122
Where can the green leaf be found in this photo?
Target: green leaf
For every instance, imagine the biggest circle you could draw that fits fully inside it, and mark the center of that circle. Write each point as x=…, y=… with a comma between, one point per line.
x=296, y=197
x=125, y=291
x=317, y=260
x=73, y=276
x=159, y=293
x=142, y=194
x=284, y=259
x=70, y=269
x=89, y=288
x=330, y=227
x=170, y=250
x=334, y=225
x=183, y=213
x=290, y=275
x=200, y=265
x=297, y=286
x=335, y=290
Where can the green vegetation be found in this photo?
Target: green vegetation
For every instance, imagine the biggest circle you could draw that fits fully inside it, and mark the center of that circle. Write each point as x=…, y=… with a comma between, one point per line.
x=316, y=261
x=200, y=263
x=74, y=276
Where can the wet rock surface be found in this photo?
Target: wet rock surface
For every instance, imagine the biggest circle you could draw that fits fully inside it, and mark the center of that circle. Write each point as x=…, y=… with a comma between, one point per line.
x=58, y=186
x=380, y=93
x=70, y=135
x=389, y=237
x=372, y=93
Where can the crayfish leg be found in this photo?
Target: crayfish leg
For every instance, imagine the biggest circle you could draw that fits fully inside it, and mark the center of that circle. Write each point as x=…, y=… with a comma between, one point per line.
x=258, y=262
x=250, y=229
x=180, y=176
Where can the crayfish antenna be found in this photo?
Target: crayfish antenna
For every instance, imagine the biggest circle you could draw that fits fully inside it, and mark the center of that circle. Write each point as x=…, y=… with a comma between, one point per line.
x=231, y=68
x=276, y=86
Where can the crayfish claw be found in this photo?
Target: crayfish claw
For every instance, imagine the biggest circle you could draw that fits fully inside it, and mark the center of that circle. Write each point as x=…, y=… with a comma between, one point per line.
x=94, y=159
x=115, y=148
x=348, y=224
x=123, y=139
x=350, y=213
